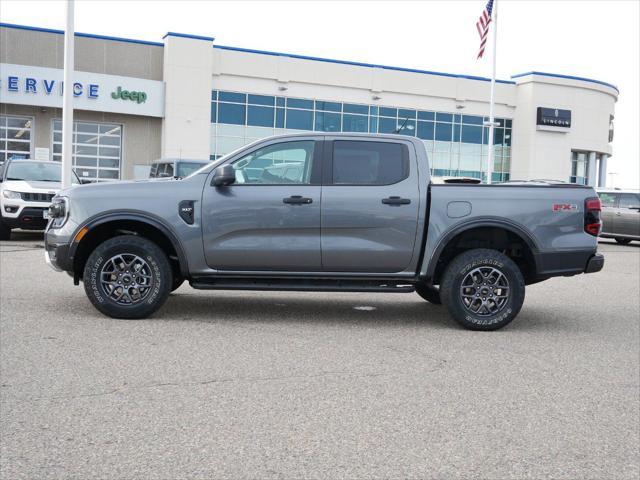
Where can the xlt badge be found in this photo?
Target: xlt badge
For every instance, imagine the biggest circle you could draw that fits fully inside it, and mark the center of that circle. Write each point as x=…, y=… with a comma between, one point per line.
x=186, y=211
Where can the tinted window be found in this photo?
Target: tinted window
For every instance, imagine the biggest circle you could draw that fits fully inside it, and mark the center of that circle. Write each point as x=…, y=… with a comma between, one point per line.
x=608, y=199
x=260, y=116
x=369, y=163
x=629, y=200
x=354, y=123
x=327, y=122
x=283, y=163
x=300, y=119
x=231, y=113
x=350, y=108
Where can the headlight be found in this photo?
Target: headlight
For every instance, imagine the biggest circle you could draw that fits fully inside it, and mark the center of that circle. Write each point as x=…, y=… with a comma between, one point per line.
x=59, y=211
x=12, y=195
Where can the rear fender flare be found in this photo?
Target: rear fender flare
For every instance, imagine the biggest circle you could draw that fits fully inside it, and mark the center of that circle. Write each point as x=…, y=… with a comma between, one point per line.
x=480, y=223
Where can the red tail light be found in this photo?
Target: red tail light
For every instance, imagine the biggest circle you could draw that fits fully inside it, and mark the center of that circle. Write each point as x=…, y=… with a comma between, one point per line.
x=592, y=222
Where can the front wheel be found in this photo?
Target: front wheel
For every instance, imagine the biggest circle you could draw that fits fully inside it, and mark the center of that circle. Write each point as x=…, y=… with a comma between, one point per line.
x=482, y=289
x=127, y=277
x=623, y=241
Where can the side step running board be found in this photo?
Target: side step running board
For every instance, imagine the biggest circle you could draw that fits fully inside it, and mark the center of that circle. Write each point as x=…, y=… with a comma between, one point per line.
x=300, y=285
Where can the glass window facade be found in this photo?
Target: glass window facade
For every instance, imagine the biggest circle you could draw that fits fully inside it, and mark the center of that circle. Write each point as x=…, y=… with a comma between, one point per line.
x=457, y=144
x=15, y=138
x=579, y=167
x=97, y=149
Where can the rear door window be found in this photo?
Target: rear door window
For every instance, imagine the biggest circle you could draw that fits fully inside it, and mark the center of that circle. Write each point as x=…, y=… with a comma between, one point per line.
x=629, y=200
x=369, y=163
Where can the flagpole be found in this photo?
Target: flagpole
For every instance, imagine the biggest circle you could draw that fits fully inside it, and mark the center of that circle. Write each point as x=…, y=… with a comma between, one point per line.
x=491, y=122
x=67, y=98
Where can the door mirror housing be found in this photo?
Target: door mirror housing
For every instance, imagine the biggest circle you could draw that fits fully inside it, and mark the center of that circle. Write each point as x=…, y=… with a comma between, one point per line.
x=223, y=176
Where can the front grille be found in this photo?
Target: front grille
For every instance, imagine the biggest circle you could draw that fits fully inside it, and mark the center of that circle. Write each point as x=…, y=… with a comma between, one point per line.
x=36, y=197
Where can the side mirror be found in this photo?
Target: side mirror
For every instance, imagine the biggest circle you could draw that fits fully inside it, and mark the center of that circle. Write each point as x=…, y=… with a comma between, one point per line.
x=223, y=176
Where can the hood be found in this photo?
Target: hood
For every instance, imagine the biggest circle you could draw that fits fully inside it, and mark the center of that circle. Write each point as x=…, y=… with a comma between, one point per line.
x=31, y=186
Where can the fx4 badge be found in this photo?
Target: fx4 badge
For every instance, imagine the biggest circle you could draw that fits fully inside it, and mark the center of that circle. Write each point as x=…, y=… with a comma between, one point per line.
x=564, y=207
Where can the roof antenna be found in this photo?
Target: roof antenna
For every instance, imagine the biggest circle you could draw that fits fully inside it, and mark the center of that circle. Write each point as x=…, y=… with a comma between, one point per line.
x=402, y=126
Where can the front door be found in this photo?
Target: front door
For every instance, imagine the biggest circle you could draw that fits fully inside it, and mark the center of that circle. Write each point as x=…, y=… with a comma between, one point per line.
x=628, y=214
x=370, y=205
x=269, y=219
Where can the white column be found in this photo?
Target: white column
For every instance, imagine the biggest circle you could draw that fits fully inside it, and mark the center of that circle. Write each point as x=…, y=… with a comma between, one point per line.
x=188, y=69
x=492, y=122
x=592, y=181
x=67, y=99
x=602, y=176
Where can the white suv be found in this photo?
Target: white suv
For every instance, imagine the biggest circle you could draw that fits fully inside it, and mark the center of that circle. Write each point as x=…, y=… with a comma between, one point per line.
x=26, y=190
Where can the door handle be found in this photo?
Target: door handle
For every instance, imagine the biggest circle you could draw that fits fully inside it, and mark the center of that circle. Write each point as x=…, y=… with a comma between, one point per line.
x=396, y=201
x=297, y=200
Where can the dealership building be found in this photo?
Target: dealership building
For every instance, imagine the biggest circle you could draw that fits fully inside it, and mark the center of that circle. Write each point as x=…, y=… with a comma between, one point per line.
x=189, y=97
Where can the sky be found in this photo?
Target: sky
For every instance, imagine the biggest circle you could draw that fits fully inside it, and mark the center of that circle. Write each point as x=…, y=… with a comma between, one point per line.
x=594, y=39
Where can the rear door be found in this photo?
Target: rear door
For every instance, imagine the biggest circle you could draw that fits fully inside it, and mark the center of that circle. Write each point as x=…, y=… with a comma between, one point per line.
x=370, y=205
x=628, y=215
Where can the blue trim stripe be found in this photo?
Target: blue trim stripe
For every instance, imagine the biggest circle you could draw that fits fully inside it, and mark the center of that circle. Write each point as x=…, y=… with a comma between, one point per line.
x=83, y=35
x=186, y=35
x=359, y=64
x=570, y=77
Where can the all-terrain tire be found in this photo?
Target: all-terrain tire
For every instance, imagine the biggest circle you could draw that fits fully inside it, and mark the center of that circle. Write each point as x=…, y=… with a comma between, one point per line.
x=151, y=268
x=428, y=292
x=464, y=287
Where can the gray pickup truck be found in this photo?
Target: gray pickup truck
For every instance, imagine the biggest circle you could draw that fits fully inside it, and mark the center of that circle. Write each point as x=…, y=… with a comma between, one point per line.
x=324, y=212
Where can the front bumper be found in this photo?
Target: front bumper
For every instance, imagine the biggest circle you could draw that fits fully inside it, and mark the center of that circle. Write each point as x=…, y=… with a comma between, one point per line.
x=57, y=256
x=27, y=218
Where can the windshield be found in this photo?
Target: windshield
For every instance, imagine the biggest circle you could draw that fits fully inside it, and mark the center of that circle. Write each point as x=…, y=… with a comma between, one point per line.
x=34, y=171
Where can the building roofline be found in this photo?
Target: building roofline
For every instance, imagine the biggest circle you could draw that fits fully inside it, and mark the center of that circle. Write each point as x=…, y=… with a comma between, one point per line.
x=569, y=77
x=306, y=57
x=83, y=35
x=188, y=35
x=360, y=64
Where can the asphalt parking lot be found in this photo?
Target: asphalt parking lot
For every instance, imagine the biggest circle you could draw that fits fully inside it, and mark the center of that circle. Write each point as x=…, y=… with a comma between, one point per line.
x=299, y=385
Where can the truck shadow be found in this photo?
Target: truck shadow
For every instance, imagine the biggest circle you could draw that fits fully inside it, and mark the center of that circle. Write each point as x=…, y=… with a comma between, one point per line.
x=299, y=308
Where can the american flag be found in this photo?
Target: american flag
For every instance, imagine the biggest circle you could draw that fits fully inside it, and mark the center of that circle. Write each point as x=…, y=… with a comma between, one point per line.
x=483, y=26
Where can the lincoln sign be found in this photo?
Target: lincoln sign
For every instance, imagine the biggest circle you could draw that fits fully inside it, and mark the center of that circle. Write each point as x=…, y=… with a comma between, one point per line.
x=553, y=117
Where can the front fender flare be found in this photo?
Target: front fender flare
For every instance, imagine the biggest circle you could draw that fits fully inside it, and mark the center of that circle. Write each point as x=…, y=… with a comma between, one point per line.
x=143, y=217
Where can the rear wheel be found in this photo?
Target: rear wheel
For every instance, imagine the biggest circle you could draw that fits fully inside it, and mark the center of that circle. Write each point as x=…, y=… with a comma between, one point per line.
x=482, y=289
x=430, y=293
x=623, y=241
x=127, y=277
x=5, y=231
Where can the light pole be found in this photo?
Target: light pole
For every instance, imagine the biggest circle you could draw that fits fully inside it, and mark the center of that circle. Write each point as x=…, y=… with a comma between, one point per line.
x=67, y=99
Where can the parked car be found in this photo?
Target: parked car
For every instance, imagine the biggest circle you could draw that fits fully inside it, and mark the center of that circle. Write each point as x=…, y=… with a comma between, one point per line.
x=620, y=215
x=175, y=167
x=26, y=190
x=359, y=214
